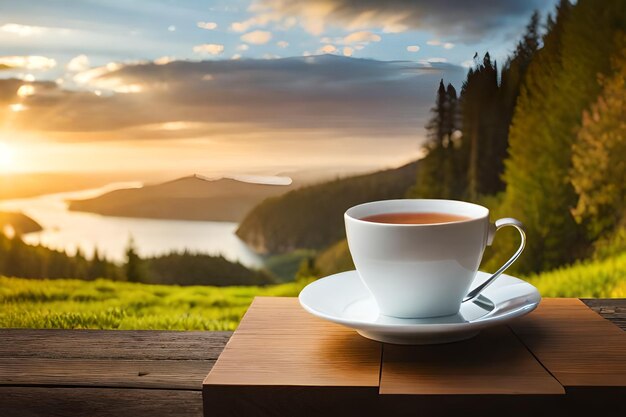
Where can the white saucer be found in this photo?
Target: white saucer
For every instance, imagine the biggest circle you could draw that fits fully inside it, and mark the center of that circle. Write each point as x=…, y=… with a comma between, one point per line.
x=342, y=298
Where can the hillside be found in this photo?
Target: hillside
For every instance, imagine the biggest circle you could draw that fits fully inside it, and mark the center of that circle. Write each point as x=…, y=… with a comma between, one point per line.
x=311, y=217
x=19, y=222
x=188, y=198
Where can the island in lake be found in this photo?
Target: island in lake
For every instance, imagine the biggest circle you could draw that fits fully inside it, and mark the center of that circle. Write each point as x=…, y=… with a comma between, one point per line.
x=17, y=224
x=187, y=198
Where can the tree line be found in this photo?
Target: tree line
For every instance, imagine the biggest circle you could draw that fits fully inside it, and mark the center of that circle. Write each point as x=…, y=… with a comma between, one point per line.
x=19, y=259
x=543, y=138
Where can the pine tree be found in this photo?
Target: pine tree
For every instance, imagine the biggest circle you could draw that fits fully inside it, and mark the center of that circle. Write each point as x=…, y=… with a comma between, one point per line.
x=437, y=175
x=134, y=268
x=558, y=86
x=479, y=119
x=16, y=262
x=511, y=77
x=98, y=266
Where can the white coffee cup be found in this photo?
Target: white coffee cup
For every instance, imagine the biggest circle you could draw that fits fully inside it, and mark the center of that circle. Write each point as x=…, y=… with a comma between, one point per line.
x=422, y=270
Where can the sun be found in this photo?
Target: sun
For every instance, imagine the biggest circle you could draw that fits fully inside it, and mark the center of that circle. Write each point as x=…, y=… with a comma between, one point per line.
x=7, y=157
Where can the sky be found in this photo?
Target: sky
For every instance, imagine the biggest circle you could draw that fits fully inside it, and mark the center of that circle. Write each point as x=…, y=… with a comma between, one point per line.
x=234, y=87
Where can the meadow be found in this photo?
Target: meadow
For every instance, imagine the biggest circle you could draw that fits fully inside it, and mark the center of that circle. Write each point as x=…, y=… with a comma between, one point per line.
x=105, y=304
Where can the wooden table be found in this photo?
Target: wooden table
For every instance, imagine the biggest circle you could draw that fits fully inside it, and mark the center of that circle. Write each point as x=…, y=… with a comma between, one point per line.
x=117, y=373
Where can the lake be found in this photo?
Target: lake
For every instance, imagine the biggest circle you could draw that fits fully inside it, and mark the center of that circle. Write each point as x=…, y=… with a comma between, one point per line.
x=69, y=230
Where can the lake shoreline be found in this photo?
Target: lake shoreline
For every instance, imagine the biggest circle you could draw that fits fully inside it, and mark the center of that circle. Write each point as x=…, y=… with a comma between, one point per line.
x=70, y=231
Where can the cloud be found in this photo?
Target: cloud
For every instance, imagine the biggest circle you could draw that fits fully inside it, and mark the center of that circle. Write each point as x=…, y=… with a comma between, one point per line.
x=207, y=25
x=341, y=96
x=327, y=49
x=436, y=60
x=209, y=48
x=92, y=75
x=257, y=37
x=78, y=63
x=347, y=51
x=22, y=30
x=361, y=37
x=243, y=47
x=413, y=48
x=95, y=80
x=282, y=44
x=26, y=90
x=29, y=62
x=437, y=42
x=163, y=60
x=240, y=26
x=236, y=56
x=261, y=19
x=461, y=20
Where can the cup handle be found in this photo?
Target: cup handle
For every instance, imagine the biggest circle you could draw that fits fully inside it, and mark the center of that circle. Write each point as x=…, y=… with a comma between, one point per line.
x=492, y=231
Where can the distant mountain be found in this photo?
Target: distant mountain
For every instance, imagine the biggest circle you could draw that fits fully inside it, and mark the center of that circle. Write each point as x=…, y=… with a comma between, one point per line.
x=187, y=198
x=19, y=223
x=311, y=217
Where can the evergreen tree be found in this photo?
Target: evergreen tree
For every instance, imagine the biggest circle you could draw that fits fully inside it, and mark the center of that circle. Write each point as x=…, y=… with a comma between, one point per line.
x=16, y=262
x=599, y=155
x=558, y=86
x=98, y=267
x=134, y=268
x=479, y=111
x=511, y=79
x=438, y=176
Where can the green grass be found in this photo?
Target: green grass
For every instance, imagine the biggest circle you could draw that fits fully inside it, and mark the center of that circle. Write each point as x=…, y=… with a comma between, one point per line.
x=594, y=279
x=104, y=304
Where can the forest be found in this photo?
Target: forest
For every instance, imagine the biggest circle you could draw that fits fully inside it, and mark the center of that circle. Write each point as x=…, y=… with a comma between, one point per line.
x=540, y=137
x=543, y=138
x=181, y=268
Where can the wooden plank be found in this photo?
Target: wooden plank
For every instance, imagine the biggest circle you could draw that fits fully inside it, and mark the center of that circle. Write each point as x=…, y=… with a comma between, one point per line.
x=98, y=402
x=576, y=345
x=110, y=344
x=279, y=344
x=494, y=362
x=609, y=303
x=612, y=309
x=123, y=373
x=291, y=401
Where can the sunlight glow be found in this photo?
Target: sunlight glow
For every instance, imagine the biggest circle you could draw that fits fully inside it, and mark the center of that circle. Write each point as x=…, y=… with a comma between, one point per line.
x=26, y=90
x=22, y=30
x=129, y=88
x=6, y=157
x=17, y=107
x=29, y=62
